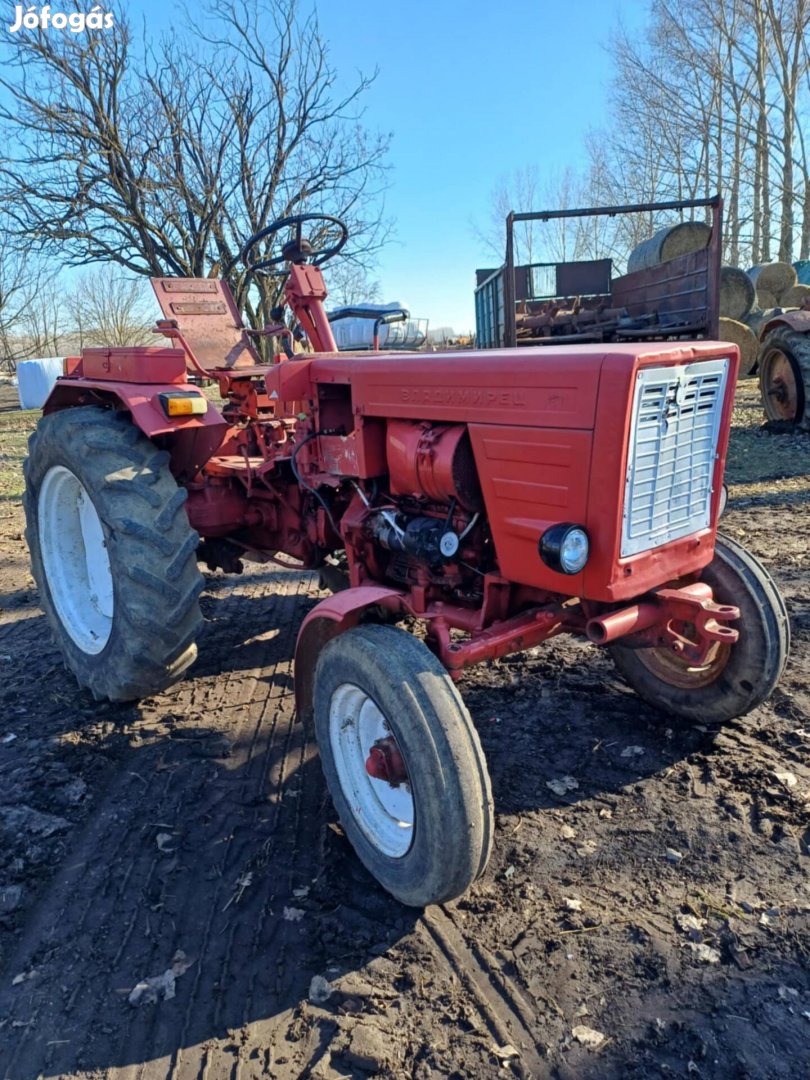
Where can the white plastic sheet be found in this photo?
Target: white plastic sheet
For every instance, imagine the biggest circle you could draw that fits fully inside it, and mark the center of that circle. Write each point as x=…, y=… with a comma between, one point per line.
x=36, y=379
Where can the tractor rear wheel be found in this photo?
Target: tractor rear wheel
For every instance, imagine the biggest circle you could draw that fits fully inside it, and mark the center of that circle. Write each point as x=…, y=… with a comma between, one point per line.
x=735, y=678
x=112, y=553
x=784, y=377
x=403, y=764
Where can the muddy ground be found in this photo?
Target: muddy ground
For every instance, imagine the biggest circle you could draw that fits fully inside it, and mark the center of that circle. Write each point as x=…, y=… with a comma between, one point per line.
x=663, y=902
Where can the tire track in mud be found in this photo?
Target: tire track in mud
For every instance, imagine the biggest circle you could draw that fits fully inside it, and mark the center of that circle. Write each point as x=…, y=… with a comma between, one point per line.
x=500, y=1003
x=114, y=915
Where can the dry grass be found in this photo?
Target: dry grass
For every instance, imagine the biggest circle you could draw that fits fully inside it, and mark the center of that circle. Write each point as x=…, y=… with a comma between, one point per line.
x=15, y=427
x=763, y=466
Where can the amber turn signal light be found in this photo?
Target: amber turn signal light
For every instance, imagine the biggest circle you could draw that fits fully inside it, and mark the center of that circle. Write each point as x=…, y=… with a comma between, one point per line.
x=184, y=404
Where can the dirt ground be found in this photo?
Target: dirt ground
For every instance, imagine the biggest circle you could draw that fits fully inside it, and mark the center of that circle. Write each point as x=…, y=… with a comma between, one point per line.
x=662, y=901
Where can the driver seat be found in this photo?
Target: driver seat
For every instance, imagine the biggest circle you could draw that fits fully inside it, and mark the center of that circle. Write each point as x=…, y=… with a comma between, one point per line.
x=208, y=318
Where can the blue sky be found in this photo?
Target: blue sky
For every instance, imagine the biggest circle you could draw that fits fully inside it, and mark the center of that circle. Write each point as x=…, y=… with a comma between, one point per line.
x=471, y=91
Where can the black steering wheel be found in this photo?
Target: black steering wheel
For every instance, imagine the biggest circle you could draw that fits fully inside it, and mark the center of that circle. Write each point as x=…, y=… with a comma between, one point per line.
x=297, y=249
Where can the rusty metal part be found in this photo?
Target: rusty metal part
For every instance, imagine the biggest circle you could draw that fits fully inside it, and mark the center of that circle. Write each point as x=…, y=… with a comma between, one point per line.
x=683, y=292
x=385, y=762
x=780, y=392
x=685, y=622
x=678, y=670
x=205, y=321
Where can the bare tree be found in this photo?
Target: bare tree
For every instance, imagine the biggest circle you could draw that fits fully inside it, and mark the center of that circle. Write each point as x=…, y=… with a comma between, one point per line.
x=713, y=95
x=109, y=309
x=349, y=284
x=28, y=309
x=164, y=158
x=528, y=189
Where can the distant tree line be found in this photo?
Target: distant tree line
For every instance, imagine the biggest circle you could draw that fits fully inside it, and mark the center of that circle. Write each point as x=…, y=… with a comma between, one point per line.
x=710, y=96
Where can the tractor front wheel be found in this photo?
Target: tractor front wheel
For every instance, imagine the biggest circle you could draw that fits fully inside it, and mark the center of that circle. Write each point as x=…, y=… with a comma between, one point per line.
x=403, y=764
x=112, y=553
x=735, y=678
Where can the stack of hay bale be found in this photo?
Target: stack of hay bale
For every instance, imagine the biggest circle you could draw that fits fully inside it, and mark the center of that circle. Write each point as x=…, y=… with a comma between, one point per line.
x=747, y=300
x=777, y=290
x=737, y=298
x=737, y=292
x=777, y=287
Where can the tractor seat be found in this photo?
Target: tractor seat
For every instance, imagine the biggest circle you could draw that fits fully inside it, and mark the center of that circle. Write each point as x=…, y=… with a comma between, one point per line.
x=208, y=318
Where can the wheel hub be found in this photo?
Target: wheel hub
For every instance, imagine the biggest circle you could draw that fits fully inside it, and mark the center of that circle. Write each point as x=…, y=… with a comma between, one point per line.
x=372, y=771
x=75, y=559
x=781, y=395
x=385, y=762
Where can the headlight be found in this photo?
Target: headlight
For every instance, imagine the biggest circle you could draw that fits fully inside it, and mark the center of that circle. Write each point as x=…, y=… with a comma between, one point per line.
x=565, y=548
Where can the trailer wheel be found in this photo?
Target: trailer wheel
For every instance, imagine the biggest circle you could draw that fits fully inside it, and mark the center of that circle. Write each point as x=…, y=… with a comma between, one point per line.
x=112, y=553
x=735, y=678
x=784, y=376
x=403, y=764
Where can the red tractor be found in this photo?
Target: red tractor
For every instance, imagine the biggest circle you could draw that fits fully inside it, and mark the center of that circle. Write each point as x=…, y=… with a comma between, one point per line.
x=498, y=497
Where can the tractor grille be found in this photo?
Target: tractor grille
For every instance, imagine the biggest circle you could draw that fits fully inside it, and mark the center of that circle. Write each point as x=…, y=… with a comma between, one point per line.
x=673, y=445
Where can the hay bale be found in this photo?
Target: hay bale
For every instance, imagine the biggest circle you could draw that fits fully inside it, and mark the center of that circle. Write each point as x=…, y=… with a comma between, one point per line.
x=668, y=243
x=766, y=300
x=775, y=277
x=745, y=338
x=795, y=297
x=737, y=293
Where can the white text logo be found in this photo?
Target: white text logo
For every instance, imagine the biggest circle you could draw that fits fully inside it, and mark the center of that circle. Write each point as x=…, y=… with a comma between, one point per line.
x=76, y=22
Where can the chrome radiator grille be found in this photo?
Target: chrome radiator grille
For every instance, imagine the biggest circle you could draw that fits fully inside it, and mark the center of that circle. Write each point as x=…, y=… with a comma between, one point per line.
x=673, y=446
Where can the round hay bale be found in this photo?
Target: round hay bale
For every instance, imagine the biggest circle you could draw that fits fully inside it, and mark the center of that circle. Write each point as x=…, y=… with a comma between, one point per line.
x=745, y=338
x=795, y=297
x=766, y=300
x=737, y=293
x=775, y=277
x=668, y=243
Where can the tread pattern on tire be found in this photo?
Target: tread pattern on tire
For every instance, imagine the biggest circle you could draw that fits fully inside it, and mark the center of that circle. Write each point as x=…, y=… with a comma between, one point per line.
x=728, y=696
x=449, y=746
x=150, y=543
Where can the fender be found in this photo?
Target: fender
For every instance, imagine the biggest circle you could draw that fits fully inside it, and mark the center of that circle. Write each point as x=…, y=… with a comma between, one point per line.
x=793, y=320
x=331, y=617
x=192, y=440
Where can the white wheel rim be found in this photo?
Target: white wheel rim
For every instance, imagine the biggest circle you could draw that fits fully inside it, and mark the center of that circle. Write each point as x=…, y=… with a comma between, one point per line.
x=384, y=813
x=75, y=559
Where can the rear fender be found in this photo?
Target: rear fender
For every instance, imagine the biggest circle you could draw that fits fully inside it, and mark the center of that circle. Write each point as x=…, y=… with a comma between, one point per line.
x=331, y=617
x=192, y=440
x=793, y=320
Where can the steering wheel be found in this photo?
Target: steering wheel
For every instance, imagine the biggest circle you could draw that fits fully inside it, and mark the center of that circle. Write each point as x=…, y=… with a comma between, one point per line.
x=297, y=250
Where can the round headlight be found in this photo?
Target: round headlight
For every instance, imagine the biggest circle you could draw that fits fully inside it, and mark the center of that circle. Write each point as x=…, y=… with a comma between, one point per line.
x=565, y=548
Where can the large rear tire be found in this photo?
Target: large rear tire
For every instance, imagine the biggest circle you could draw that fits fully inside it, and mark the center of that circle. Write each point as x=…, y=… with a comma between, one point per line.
x=735, y=678
x=112, y=553
x=784, y=377
x=426, y=836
